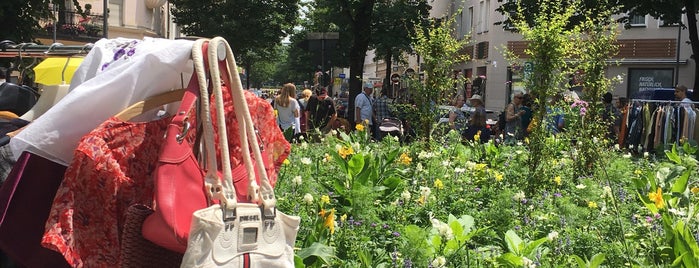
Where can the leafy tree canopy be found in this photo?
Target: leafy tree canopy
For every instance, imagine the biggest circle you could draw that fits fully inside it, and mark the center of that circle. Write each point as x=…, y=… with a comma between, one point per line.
x=20, y=18
x=253, y=28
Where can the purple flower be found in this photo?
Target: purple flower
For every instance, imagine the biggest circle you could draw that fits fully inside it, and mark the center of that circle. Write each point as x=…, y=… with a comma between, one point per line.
x=517, y=227
x=131, y=52
x=408, y=264
x=396, y=234
x=358, y=223
x=104, y=66
x=373, y=224
x=649, y=219
x=557, y=195
x=477, y=189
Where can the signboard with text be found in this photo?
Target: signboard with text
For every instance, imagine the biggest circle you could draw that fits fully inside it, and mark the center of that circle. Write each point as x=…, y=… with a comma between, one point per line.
x=644, y=79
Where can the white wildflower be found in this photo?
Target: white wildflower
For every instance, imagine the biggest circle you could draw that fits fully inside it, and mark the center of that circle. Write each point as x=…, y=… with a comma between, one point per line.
x=425, y=191
x=677, y=212
x=322, y=140
x=519, y=196
x=395, y=138
x=306, y=161
x=297, y=181
x=333, y=132
x=459, y=170
x=304, y=145
x=580, y=186
x=338, y=147
x=418, y=167
x=470, y=165
x=308, y=199
x=446, y=163
x=662, y=173
x=356, y=146
x=595, y=140
x=616, y=147
x=626, y=155
x=552, y=236
x=606, y=192
x=519, y=143
x=527, y=263
x=405, y=195
x=439, y=262
x=645, y=154
x=443, y=229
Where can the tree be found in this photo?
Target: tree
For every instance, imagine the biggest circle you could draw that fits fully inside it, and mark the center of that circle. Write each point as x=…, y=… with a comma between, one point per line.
x=20, y=18
x=395, y=30
x=253, y=28
x=670, y=11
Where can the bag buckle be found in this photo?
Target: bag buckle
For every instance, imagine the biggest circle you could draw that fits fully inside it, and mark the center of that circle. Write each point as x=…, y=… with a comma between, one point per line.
x=228, y=214
x=268, y=216
x=185, y=128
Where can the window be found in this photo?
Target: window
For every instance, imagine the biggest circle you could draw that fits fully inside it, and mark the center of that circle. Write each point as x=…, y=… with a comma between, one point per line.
x=115, y=9
x=484, y=11
x=638, y=21
x=469, y=21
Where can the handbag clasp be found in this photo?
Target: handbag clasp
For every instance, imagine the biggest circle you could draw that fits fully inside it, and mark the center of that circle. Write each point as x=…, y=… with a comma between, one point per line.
x=228, y=214
x=185, y=128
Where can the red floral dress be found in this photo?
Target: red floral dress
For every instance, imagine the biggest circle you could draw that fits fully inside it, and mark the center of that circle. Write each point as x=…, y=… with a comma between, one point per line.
x=112, y=170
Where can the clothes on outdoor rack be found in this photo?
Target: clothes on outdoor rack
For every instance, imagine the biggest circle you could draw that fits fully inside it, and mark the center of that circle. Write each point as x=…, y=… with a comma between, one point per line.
x=652, y=125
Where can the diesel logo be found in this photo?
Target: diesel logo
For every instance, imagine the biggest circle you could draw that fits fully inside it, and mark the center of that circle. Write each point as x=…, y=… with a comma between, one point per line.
x=249, y=218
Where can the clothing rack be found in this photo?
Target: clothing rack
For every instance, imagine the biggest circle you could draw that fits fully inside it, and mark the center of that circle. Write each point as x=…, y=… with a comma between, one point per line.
x=9, y=49
x=663, y=101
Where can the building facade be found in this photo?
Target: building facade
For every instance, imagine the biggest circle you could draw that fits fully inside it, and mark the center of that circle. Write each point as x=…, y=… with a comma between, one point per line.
x=126, y=18
x=650, y=55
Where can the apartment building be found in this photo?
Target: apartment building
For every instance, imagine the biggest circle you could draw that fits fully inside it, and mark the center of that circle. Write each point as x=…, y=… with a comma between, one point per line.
x=126, y=18
x=650, y=55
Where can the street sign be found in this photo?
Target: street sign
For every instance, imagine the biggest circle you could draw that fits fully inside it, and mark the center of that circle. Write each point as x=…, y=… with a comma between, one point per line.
x=342, y=75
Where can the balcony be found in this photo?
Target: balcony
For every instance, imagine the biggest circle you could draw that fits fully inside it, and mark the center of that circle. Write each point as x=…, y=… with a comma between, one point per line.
x=73, y=26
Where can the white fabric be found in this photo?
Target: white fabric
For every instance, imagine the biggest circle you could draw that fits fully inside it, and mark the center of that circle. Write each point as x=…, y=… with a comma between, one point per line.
x=50, y=95
x=125, y=71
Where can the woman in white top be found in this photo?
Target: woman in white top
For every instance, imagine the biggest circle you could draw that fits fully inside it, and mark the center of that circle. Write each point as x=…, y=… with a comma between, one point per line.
x=287, y=108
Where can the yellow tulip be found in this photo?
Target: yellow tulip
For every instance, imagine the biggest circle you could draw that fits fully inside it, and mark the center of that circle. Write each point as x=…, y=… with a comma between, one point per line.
x=657, y=197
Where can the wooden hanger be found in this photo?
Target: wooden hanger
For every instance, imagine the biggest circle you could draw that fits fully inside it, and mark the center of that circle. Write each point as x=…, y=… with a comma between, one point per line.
x=151, y=103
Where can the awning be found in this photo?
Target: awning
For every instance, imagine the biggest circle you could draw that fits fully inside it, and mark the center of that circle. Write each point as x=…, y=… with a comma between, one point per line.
x=55, y=71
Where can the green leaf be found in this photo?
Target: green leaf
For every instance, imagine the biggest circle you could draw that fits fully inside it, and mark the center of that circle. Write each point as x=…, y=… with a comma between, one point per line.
x=298, y=262
x=356, y=164
x=597, y=260
x=322, y=251
x=531, y=247
x=511, y=259
x=581, y=263
x=680, y=184
x=513, y=242
x=673, y=156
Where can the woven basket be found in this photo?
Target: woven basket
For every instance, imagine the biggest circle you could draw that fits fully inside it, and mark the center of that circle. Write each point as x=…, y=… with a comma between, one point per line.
x=137, y=251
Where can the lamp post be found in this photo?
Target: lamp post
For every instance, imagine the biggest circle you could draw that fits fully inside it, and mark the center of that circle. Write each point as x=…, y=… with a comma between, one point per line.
x=55, y=20
x=105, y=15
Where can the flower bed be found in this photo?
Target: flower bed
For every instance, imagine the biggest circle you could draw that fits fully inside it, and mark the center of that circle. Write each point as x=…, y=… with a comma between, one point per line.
x=448, y=204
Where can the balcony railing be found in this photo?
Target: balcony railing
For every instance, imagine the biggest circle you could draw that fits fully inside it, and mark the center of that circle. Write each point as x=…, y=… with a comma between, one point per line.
x=71, y=23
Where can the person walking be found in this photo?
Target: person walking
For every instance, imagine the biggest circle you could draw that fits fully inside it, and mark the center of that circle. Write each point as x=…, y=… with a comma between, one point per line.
x=513, y=118
x=363, y=107
x=381, y=111
x=320, y=111
x=287, y=109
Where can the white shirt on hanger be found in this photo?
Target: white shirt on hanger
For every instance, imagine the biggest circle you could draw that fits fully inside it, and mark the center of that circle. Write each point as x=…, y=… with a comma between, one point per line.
x=125, y=71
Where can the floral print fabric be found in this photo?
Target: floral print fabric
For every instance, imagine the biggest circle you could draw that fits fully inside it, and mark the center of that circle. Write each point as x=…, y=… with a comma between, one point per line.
x=112, y=169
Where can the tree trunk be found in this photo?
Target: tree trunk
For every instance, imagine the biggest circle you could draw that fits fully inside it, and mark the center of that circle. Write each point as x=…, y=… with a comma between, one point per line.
x=387, y=83
x=248, y=69
x=694, y=41
x=361, y=33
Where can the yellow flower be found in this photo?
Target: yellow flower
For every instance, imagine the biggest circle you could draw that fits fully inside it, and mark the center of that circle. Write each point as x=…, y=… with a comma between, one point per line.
x=657, y=197
x=498, y=176
x=345, y=151
x=637, y=172
x=328, y=157
x=286, y=161
x=405, y=159
x=526, y=140
x=328, y=219
x=359, y=127
x=557, y=180
x=591, y=204
x=477, y=137
x=481, y=167
x=276, y=113
x=421, y=200
x=343, y=218
x=695, y=190
x=438, y=184
x=325, y=199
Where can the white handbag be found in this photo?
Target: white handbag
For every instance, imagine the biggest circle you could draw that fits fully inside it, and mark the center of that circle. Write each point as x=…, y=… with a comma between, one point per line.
x=232, y=234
